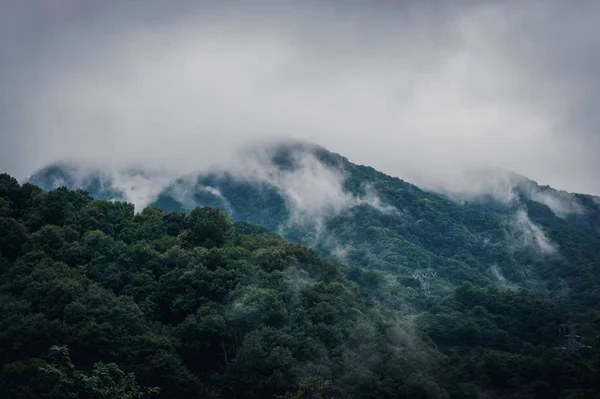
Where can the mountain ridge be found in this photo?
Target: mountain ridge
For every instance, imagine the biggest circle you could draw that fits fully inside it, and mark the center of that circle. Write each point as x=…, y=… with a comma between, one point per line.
x=320, y=199
x=491, y=288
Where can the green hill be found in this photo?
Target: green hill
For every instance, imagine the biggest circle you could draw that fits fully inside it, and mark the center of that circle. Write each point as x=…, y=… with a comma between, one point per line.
x=422, y=294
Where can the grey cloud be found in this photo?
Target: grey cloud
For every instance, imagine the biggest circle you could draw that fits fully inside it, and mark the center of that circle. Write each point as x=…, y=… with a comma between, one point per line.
x=139, y=187
x=527, y=234
x=419, y=90
x=312, y=190
x=505, y=186
x=560, y=202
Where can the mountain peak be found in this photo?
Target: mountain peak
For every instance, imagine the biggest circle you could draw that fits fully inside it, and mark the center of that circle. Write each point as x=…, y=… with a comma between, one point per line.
x=286, y=154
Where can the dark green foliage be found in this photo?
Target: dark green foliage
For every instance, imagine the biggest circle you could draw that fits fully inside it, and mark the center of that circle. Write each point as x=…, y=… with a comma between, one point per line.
x=231, y=310
x=184, y=303
x=12, y=238
x=168, y=204
x=105, y=381
x=249, y=228
x=208, y=227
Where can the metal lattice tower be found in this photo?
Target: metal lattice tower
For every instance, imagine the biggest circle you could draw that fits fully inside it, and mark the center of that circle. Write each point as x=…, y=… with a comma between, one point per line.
x=423, y=276
x=571, y=339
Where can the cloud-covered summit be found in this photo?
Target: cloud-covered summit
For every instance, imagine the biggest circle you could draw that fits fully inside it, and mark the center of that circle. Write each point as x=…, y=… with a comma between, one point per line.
x=421, y=90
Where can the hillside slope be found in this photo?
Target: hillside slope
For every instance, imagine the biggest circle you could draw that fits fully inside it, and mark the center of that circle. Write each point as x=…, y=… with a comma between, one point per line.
x=190, y=304
x=505, y=286
x=523, y=235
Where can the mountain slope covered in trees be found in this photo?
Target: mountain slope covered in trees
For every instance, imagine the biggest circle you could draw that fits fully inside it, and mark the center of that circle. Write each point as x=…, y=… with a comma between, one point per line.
x=524, y=235
x=190, y=304
x=423, y=295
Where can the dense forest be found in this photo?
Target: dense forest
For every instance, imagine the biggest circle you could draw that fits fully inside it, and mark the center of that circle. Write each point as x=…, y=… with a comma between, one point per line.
x=404, y=293
x=99, y=302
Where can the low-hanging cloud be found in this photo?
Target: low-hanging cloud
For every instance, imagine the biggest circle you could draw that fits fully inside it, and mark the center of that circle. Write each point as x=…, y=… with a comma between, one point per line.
x=560, y=202
x=312, y=189
x=186, y=189
x=501, y=280
x=507, y=187
x=137, y=186
x=528, y=235
x=417, y=89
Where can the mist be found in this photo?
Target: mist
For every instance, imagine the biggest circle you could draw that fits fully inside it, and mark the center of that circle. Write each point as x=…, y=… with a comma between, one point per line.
x=419, y=90
x=529, y=235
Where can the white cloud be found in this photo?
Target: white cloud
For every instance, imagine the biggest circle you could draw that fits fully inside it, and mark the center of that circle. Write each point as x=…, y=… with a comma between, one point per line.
x=140, y=189
x=313, y=190
x=528, y=235
x=560, y=202
x=505, y=186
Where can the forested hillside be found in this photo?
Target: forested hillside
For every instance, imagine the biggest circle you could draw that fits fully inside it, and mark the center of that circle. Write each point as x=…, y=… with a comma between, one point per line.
x=421, y=295
x=193, y=306
x=525, y=235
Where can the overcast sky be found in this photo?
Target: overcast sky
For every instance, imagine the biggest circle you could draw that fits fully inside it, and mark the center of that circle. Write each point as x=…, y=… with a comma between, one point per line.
x=418, y=89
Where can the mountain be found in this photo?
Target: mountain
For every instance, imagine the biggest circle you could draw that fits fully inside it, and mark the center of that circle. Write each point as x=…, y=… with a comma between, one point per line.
x=500, y=288
x=320, y=199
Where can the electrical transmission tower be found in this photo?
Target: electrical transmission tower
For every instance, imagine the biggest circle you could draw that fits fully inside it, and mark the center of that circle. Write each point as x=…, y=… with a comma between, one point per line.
x=570, y=339
x=424, y=276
